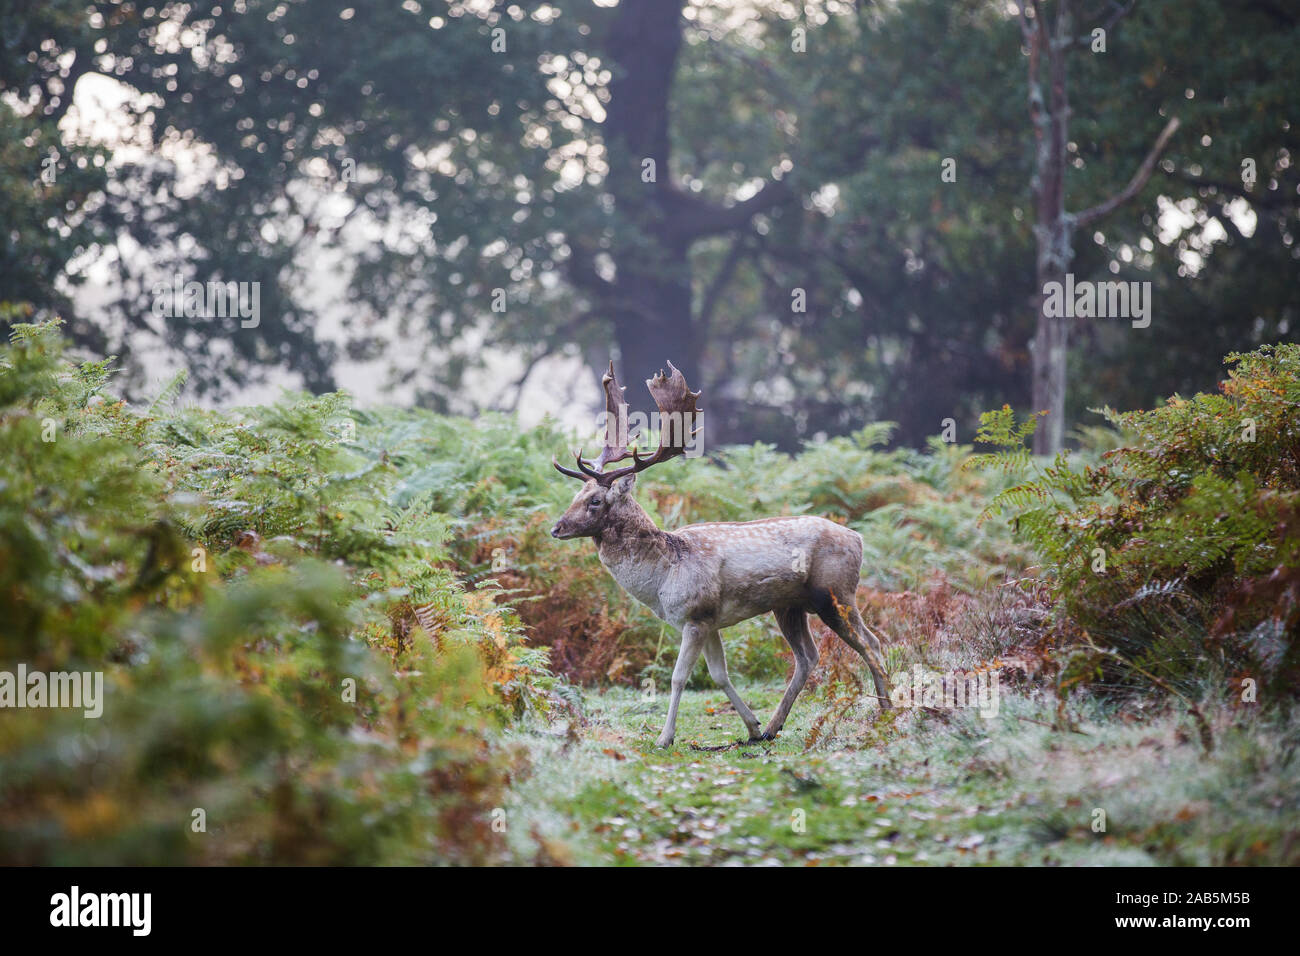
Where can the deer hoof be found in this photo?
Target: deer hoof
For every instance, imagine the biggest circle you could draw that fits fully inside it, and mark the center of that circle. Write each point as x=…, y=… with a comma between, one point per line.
x=762, y=737
x=664, y=743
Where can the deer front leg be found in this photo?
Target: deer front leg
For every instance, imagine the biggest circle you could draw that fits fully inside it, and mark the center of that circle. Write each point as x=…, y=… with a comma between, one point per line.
x=693, y=637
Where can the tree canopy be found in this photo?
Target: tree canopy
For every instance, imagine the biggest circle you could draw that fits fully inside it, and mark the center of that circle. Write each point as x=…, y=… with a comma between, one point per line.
x=822, y=213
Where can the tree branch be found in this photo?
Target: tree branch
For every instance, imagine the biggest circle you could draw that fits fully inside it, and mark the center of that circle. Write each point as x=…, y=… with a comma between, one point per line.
x=694, y=218
x=1140, y=178
x=1118, y=12
x=713, y=294
x=1026, y=30
x=518, y=384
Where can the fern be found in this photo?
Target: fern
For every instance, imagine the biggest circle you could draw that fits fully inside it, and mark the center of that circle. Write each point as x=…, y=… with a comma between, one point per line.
x=1200, y=491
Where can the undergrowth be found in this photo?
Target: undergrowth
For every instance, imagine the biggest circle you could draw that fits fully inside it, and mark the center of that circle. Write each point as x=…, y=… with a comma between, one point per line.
x=1174, y=558
x=315, y=621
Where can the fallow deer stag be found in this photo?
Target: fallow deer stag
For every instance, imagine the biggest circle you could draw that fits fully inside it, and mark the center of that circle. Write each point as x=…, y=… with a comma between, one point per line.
x=704, y=577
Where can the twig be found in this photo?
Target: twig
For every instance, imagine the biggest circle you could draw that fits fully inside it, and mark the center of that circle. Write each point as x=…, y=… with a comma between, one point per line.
x=1101, y=210
x=1043, y=723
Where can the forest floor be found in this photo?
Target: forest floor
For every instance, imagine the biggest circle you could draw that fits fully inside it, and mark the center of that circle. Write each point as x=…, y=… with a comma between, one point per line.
x=911, y=787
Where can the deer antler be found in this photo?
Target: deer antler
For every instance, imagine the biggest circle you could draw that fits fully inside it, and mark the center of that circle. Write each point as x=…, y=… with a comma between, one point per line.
x=584, y=471
x=616, y=435
x=678, y=418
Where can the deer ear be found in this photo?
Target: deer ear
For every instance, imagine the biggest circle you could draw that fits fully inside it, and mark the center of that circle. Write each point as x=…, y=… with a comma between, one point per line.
x=624, y=486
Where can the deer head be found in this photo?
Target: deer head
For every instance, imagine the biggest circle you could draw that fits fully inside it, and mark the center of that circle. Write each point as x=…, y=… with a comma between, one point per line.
x=606, y=494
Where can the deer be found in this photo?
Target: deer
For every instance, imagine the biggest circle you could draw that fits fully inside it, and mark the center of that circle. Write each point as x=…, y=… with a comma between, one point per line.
x=702, y=578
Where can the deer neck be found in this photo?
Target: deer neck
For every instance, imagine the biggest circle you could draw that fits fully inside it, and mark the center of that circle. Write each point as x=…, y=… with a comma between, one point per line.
x=636, y=552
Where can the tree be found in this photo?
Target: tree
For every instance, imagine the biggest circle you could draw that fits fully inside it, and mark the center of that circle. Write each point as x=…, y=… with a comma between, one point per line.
x=506, y=178
x=1219, y=251
x=48, y=188
x=479, y=179
x=1049, y=46
x=649, y=298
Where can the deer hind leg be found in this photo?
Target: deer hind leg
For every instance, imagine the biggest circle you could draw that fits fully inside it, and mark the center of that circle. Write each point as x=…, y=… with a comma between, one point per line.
x=716, y=658
x=841, y=615
x=794, y=628
x=693, y=639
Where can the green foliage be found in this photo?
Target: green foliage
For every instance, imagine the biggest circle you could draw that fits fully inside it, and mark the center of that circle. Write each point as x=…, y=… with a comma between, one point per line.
x=52, y=186
x=917, y=288
x=279, y=646
x=232, y=574
x=1178, y=547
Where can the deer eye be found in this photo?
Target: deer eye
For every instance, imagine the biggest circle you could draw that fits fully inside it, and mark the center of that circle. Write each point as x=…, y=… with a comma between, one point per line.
x=593, y=503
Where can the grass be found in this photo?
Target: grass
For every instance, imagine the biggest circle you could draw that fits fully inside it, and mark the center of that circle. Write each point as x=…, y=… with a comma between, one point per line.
x=914, y=787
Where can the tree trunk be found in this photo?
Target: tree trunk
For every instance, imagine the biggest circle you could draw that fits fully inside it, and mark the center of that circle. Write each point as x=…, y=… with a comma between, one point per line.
x=1051, y=344
x=653, y=322
x=1053, y=231
x=650, y=301
x=1054, y=228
